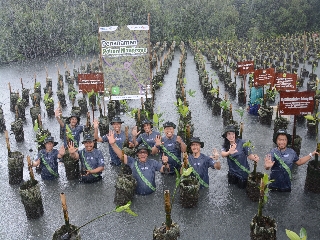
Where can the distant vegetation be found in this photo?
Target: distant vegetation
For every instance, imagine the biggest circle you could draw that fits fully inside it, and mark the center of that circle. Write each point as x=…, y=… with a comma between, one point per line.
x=32, y=28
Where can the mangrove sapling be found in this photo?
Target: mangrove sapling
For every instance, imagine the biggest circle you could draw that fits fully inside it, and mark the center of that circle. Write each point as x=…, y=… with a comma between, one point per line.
x=263, y=227
x=293, y=236
x=67, y=235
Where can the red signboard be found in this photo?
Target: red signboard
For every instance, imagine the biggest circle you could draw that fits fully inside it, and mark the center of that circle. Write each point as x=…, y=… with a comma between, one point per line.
x=285, y=82
x=296, y=103
x=245, y=67
x=264, y=76
x=91, y=81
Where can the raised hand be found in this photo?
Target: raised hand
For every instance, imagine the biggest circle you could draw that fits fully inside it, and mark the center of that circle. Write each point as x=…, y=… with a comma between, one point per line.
x=57, y=112
x=158, y=140
x=110, y=137
x=255, y=158
x=164, y=158
x=268, y=163
x=233, y=149
x=71, y=147
x=215, y=153
x=134, y=132
x=62, y=150
x=95, y=123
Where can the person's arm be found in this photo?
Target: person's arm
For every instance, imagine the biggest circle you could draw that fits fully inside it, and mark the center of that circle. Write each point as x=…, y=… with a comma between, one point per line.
x=73, y=151
x=254, y=157
x=165, y=164
x=61, y=152
x=116, y=149
x=215, y=157
x=135, y=133
x=35, y=163
x=305, y=159
x=96, y=170
x=183, y=146
x=57, y=114
x=155, y=149
x=231, y=151
x=95, y=135
x=268, y=163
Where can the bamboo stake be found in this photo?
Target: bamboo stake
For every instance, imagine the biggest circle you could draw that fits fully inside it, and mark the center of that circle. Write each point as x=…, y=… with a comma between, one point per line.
x=65, y=210
x=30, y=169
x=9, y=87
x=167, y=207
x=7, y=141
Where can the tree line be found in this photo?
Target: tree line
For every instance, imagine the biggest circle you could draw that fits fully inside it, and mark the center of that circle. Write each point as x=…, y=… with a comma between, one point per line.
x=32, y=28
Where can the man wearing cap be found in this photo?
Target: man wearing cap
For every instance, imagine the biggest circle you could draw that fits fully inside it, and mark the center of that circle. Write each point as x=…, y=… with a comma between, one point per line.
x=201, y=163
x=118, y=134
x=170, y=147
x=71, y=126
x=236, y=155
x=281, y=160
x=48, y=159
x=91, y=160
x=148, y=138
x=143, y=169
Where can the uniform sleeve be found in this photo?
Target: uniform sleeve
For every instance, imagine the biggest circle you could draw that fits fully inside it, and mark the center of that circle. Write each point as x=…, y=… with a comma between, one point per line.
x=100, y=158
x=81, y=128
x=210, y=162
x=295, y=157
x=139, y=139
x=157, y=165
x=105, y=139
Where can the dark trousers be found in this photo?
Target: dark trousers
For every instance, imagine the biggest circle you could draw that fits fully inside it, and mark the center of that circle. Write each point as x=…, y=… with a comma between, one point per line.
x=233, y=179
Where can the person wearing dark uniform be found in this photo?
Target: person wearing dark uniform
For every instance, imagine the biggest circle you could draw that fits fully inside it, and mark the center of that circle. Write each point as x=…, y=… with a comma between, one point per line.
x=48, y=159
x=143, y=169
x=170, y=147
x=72, y=125
x=148, y=138
x=91, y=160
x=201, y=163
x=281, y=160
x=236, y=155
x=118, y=134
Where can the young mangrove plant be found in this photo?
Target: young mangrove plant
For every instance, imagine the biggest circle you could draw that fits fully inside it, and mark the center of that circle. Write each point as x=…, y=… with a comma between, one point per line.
x=293, y=236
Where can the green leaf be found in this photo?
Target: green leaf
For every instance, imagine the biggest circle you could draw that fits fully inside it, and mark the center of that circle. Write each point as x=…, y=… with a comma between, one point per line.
x=187, y=172
x=177, y=177
x=123, y=208
x=191, y=93
x=309, y=117
x=132, y=213
x=292, y=235
x=155, y=118
x=36, y=125
x=303, y=233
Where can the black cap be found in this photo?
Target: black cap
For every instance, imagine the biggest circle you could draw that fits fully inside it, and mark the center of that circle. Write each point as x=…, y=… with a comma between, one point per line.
x=230, y=128
x=143, y=147
x=196, y=140
x=88, y=138
x=282, y=132
x=169, y=124
x=116, y=119
x=50, y=139
x=146, y=121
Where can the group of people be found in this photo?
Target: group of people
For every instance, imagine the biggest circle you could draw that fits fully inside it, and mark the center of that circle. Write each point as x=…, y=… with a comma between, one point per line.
x=169, y=148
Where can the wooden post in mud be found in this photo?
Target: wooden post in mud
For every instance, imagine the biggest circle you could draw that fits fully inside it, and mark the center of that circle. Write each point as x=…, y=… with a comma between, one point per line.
x=31, y=195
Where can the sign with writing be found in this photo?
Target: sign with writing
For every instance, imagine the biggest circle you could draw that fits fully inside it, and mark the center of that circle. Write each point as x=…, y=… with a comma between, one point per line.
x=125, y=61
x=296, y=103
x=91, y=81
x=264, y=76
x=285, y=81
x=245, y=67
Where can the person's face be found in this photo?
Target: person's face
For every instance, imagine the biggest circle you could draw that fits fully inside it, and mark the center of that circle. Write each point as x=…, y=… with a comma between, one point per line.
x=231, y=136
x=169, y=131
x=89, y=145
x=49, y=146
x=143, y=155
x=195, y=148
x=282, y=141
x=73, y=121
x=147, y=127
x=116, y=127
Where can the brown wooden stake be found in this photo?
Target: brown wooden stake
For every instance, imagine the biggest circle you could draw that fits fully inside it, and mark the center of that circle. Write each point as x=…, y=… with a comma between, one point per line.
x=21, y=82
x=30, y=169
x=9, y=87
x=167, y=207
x=7, y=141
x=65, y=210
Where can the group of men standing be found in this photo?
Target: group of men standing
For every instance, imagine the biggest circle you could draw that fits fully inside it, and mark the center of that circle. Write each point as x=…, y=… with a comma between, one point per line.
x=169, y=148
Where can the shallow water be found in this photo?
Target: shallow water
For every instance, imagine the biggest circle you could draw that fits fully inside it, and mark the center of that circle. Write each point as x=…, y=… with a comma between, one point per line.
x=223, y=211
